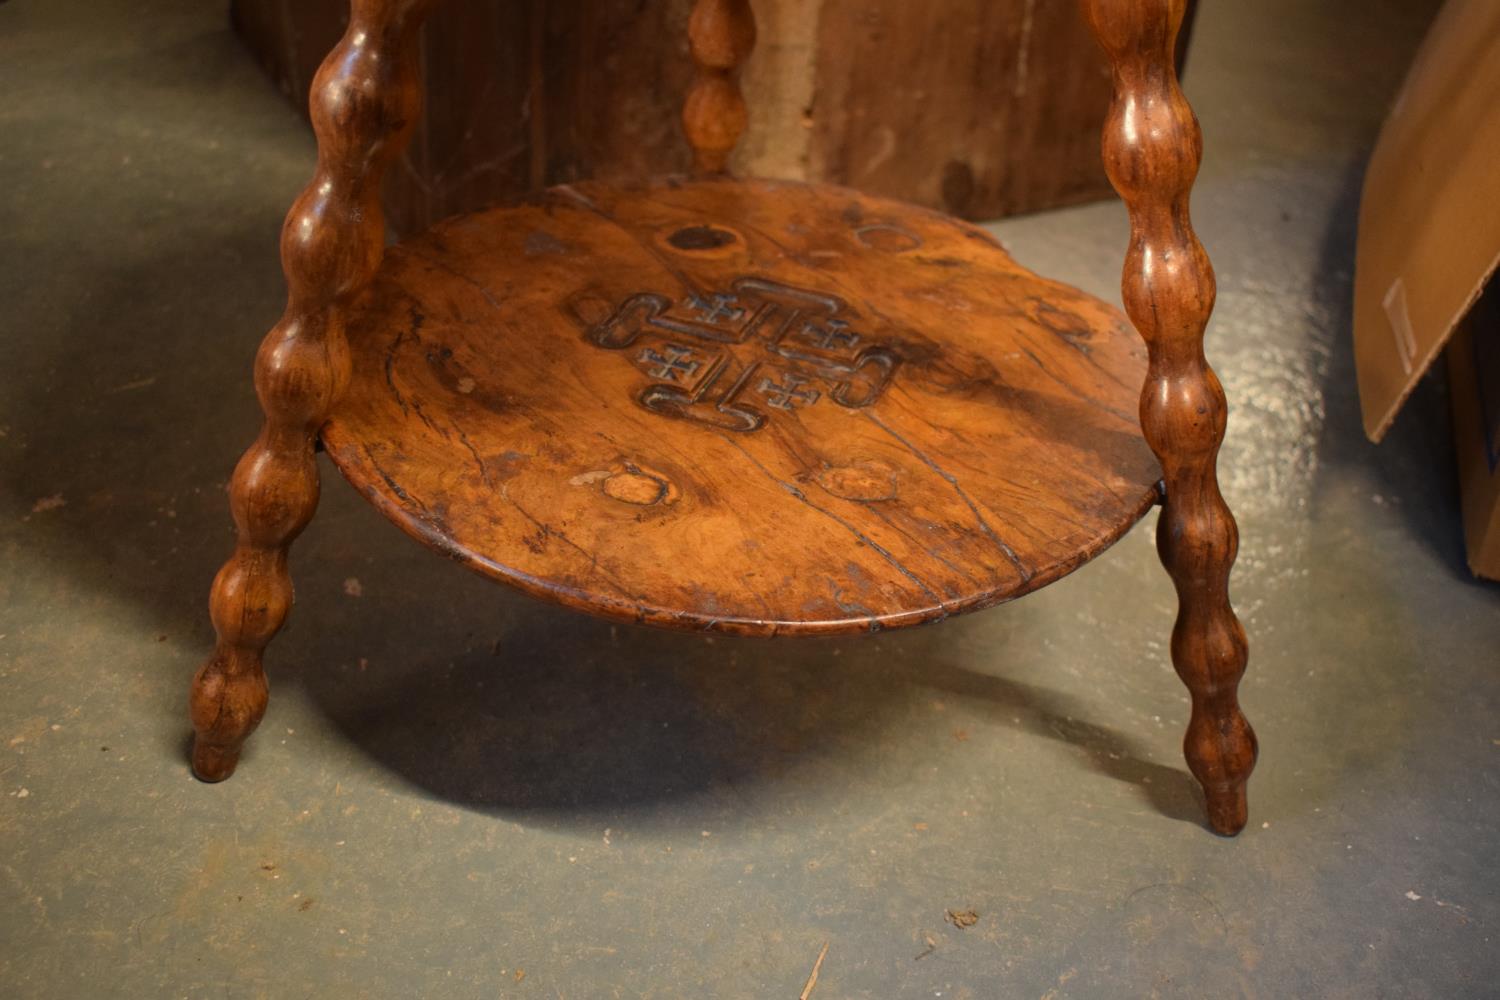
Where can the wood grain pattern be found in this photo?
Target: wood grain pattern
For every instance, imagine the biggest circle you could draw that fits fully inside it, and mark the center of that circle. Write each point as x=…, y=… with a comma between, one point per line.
x=982, y=110
x=1152, y=148
x=364, y=101
x=751, y=407
x=721, y=34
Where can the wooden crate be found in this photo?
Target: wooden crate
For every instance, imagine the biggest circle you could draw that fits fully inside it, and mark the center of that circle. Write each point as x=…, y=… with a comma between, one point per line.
x=981, y=109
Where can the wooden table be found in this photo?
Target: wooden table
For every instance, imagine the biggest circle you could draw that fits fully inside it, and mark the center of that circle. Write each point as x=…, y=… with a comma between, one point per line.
x=745, y=406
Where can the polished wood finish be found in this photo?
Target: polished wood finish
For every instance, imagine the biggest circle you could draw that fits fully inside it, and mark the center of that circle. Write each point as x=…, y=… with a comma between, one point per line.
x=1152, y=147
x=365, y=100
x=751, y=407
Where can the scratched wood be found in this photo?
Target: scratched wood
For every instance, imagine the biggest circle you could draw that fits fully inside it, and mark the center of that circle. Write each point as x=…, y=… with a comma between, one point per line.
x=752, y=407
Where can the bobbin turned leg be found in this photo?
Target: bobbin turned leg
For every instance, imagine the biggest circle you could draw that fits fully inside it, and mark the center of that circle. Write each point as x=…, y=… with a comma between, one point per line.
x=364, y=100
x=1152, y=148
x=721, y=34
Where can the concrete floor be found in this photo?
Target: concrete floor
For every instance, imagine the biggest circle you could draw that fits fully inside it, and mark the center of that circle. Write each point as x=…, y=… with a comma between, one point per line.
x=462, y=793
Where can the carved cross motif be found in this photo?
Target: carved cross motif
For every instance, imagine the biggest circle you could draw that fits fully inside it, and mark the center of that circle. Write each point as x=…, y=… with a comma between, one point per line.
x=732, y=357
x=677, y=361
x=789, y=396
x=715, y=308
x=830, y=334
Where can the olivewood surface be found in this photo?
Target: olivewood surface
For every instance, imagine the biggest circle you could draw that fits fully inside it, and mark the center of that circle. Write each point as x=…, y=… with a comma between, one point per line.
x=753, y=407
x=1152, y=148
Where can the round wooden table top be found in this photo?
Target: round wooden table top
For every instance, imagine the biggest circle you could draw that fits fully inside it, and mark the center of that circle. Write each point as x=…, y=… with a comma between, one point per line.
x=745, y=406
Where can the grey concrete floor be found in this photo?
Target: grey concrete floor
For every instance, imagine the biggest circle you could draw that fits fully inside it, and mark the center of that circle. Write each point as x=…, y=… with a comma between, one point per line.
x=459, y=792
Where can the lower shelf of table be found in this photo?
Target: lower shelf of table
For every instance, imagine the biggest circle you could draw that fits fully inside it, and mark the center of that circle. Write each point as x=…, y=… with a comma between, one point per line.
x=745, y=406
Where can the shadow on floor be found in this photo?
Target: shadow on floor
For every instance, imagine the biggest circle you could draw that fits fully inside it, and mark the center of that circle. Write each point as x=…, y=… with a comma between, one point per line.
x=592, y=718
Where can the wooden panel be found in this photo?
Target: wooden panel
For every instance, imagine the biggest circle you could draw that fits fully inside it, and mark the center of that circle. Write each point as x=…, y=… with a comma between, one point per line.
x=522, y=95
x=981, y=109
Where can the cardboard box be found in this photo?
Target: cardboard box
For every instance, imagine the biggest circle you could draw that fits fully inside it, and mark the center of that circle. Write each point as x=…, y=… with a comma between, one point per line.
x=1429, y=240
x=1474, y=375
